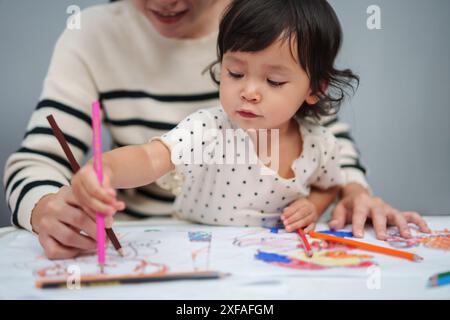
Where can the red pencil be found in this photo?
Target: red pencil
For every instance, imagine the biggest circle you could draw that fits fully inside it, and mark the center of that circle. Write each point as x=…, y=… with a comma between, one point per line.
x=306, y=245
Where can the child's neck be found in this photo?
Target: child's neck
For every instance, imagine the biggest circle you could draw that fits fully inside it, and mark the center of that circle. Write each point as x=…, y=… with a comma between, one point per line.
x=286, y=131
x=290, y=146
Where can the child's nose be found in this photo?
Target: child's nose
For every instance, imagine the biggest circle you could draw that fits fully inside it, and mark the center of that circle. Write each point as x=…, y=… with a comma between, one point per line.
x=251, y=94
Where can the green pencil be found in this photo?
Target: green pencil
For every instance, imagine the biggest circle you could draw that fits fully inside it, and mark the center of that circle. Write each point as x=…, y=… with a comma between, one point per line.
x=439, y=279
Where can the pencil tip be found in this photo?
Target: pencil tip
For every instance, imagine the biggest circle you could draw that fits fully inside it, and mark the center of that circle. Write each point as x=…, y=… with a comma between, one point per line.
x=121, y=252
x=102, y=268
x=417, y=258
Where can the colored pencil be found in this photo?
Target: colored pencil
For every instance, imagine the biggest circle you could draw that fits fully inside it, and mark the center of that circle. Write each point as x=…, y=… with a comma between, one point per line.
x=115, y=242
x=306, y=245
x=97, y=144
x=75, y=167
x=96, y=280
x=367, y=246
x=439, y=279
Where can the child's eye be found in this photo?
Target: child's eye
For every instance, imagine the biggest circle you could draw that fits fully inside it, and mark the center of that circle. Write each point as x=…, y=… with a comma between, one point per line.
x=235, y=75
x=275, y=83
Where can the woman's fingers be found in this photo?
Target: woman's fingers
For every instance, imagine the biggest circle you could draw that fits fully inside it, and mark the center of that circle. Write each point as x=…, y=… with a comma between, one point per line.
x=400, y=221
x=338, y=216
x=54, y=250
x=379, y=222
x=78, y=219
x=360, y=213
x=414, y=217
x=68, y=237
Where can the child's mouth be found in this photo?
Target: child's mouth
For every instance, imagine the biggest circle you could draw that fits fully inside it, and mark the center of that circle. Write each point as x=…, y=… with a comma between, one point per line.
x=169, y=17
x=247, y=114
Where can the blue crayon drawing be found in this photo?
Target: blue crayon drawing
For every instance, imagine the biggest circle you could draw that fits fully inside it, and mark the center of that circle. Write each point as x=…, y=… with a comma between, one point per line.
x=341, y=234
x=199, y=236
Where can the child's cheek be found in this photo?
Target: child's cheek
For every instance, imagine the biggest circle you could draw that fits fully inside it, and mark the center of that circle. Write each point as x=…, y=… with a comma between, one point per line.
x=229, y=96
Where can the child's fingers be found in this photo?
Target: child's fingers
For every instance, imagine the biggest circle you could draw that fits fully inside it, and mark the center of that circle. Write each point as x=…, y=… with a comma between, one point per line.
x=310, y=228
x=300, y=213
x=120, y=205
x=292, y=209
x=300, y=223
x=107, y=183
x=94, y=189
x=92, y=205
x=109, y=222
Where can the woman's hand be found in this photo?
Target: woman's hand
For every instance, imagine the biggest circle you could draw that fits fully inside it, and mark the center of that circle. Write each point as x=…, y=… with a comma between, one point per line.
x=58, y=219
x=357, y=205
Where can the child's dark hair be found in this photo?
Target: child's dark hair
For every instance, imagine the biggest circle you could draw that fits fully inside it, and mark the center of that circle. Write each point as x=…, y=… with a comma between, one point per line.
x=253, y=25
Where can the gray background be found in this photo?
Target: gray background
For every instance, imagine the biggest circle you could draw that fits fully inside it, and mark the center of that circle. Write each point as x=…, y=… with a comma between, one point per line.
x=399, y=116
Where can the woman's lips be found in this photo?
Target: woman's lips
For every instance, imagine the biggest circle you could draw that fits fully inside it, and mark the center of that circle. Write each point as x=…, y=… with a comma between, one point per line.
x=247, y=114
x=169, y=17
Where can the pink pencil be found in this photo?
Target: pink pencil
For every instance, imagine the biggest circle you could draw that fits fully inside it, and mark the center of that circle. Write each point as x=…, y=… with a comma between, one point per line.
x=99, y=218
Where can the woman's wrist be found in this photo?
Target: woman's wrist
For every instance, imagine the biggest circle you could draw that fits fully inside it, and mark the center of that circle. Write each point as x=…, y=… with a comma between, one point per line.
x=353, y=189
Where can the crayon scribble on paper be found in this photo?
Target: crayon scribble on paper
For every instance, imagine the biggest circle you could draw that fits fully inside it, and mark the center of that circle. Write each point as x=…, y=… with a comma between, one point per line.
x=286, y=250
x=439, y=239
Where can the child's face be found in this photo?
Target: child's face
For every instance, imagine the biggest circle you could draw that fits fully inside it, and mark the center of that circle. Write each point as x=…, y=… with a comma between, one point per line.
x=182, y=18
x=264, y=89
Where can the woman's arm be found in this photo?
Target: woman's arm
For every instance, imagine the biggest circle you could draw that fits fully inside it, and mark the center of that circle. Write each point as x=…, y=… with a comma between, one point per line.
x=357, y=204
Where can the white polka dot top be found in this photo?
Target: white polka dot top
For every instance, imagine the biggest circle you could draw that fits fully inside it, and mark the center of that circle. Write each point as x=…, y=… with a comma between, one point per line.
x=222, y=181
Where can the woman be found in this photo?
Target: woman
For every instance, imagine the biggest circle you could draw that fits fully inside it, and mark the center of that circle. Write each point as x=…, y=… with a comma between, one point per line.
x=144, y=60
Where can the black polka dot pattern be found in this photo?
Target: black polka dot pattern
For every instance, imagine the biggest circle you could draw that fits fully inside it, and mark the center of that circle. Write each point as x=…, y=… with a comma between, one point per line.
x=238, y=193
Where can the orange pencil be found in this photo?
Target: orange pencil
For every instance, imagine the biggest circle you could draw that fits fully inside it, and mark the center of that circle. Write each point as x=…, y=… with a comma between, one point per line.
x=367, y=246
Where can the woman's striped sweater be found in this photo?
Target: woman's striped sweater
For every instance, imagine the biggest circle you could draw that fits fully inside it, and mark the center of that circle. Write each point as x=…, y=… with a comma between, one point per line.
x=146, y=84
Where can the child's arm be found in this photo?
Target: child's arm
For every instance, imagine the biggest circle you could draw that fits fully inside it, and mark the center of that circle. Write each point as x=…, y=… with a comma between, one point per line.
x=126, y=167
x=305, y=212
x=322, y=199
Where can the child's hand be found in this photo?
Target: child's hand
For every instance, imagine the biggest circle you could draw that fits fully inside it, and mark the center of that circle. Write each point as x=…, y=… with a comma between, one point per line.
x=93, y=197
x=300, y=214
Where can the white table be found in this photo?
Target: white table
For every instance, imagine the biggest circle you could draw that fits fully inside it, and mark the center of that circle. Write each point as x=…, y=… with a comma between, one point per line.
x=236, y=287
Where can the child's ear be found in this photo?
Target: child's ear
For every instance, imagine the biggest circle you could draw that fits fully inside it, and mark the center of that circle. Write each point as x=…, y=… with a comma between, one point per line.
x=312, y=99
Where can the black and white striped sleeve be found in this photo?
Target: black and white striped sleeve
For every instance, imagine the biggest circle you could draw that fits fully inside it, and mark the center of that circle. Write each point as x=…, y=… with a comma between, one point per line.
x=39, y=167
x=352, y=169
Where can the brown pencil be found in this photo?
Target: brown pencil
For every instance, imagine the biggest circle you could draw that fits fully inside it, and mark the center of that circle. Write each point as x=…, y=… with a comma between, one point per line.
x=75, y=167
x=104, y=279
